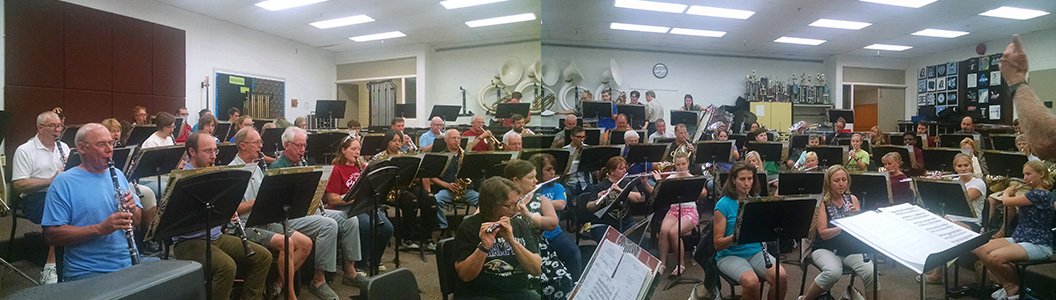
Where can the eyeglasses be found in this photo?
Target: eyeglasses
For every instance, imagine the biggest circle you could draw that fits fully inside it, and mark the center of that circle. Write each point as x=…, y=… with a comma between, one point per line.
x=52, y=126
x=259, y=142
x=103, y=144
x=580, y=136
x=215, y=151
x=298, y=145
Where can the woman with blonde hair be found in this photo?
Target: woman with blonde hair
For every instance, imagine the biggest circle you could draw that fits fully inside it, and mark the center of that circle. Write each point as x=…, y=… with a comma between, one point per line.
x=833, y=250
x=877, y=137
x=976, y=154
x=680, y=219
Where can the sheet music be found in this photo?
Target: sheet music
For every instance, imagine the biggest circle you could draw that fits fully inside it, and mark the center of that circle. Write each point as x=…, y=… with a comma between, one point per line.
x=619, y=270
x=597, y=285
x=906, y=233
x=628, y=279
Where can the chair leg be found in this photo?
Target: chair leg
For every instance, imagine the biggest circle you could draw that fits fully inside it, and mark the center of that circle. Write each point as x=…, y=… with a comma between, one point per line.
x=11, y=239
x=803, y=282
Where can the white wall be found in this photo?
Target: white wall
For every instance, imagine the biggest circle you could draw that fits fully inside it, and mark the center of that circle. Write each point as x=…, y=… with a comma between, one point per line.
x=214, y=45
x=712, y=80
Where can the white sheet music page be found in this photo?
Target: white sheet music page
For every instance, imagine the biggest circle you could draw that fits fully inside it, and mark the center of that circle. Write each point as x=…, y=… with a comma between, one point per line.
x=629, y=278
x=598, y=284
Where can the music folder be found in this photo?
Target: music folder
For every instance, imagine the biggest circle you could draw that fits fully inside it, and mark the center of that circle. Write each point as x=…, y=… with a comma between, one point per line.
x=618, y=267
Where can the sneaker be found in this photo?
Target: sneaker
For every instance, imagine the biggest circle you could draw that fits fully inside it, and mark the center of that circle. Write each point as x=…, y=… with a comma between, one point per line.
x=323, y=291
x=999, y=294
x=49, y=275
x=274, y=291
x=430, y=245
x=360, y=280
x=382, y=268
x=409, y=245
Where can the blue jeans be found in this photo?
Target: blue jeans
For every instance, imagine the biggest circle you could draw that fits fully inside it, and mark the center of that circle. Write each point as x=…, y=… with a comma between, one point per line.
x=385, y=231
x=567, y=250
x=444, y=198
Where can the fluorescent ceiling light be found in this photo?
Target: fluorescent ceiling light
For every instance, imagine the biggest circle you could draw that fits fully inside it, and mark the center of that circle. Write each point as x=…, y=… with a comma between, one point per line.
x=905, y=3
x=698, y=32
x=852, y=25
x=501, y=20
x=636, y=27
x=378, y=36
x=1009, y=12
x=719, y=12
x=801, y=41
x=651, y=5
x=940, y=33
x=453, y=4
x=353, y=20
x=887, y=47
x=274, y=5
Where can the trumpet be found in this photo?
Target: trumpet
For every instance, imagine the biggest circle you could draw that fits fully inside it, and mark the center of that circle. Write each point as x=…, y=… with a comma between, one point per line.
x=499, y=146
x=410, y=143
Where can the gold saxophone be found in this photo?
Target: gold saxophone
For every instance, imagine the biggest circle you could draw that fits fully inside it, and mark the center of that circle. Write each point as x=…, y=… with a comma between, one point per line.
x=461, y=184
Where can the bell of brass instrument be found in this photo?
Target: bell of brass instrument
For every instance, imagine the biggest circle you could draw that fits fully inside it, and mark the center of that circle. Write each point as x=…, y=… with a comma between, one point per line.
x=499, y=146
x=622, y=98
x=544, y=103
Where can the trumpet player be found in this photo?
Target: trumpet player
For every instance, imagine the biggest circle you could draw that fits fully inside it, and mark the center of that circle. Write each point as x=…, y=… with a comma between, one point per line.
x=445, y=187
x=518, y=128
x=81, y=212
x=398, y=126
x=476, y=129
x=394, y=145
x=36, y=164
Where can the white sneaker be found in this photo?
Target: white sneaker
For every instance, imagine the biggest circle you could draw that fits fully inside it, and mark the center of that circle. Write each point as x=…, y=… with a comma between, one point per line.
x=49, y=275
x=382, y=268
x=999, y=294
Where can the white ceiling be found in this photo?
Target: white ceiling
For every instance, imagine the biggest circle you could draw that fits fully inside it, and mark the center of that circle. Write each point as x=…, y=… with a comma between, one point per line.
x=586, y=23
x=424, y=21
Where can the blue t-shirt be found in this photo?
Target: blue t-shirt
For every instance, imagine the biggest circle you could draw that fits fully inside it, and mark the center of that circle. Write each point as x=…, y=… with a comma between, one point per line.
x=553, y=192
x=426, y=139
x=80, y=198
x=728, y=207
x=1035, y=220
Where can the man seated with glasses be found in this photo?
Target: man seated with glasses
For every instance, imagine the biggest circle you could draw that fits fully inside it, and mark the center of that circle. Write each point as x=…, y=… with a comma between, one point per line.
x=35, y=165
x=577, y=182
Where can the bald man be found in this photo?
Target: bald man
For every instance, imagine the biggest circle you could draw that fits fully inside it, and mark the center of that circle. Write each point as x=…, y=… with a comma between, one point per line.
x=514, y=142
x=425, y=142
x=481, y=142
x=562, y=138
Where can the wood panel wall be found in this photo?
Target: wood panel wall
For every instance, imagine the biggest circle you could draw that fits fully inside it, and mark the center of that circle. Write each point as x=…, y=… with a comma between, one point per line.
x=92, y=63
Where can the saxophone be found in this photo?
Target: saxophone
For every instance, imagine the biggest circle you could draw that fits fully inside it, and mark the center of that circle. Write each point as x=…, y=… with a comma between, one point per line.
x=461, y=184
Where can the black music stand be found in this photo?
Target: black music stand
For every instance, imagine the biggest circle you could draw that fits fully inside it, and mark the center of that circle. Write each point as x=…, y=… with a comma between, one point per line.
x=953, y=140
x=713, y=151
x=69, y=134
x=665, y=141
x=406, y=110
x=632, y=182
x=561, y=123
x=178, y=125
x=1003, y=163
x=847, y=142
x=484, y=164
x=221, y=131
x=330, y=109
x=897, y=138
x=943, y=197
x=671, y=191
x=407, y=169
x=689, y=118
x=562, y=158
x=800, y=183
x=122, y=156
x=1003, y=142
x=836, y=114
x=432, y=165
x=139, y=134
x=155, y=162
x=271, y=140
x=635, y=114
x=283, y=197
x=645, y=153
x=871, y=188
x=194, y=203
x=594, y=158
x=827, y=155
x=322, y=145
x=616, y=136
x=597, y=109
x=375, y=143
x=365, y=195
x=537, y=141
x=762, y=222
x=903, y=151
x=449, y=113
x=940, y=159
x=593, y=136
x=507, y=110
x=739, y=138
x=760, y=177
x=768, y=151
x=798, y=141
x=227, y=153
x=258, y=124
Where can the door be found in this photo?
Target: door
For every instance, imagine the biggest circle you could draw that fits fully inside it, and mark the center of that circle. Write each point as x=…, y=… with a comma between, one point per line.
x=865, y=116
x=892, y=107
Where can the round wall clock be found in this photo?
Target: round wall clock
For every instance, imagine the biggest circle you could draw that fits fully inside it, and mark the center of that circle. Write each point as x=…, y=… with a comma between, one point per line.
x=660, y=70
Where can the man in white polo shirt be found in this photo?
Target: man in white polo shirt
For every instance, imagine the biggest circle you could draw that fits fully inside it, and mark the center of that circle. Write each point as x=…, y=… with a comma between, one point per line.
x=35, y=165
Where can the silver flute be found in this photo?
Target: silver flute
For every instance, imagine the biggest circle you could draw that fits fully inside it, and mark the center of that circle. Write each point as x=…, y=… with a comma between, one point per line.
x=129, y=233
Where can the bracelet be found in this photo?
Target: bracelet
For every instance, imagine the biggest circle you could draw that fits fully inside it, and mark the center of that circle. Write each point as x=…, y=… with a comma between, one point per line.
x=1013, y=88
x=481, y=247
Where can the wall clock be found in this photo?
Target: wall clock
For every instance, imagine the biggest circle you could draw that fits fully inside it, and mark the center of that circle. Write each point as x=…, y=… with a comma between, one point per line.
x=660, y=70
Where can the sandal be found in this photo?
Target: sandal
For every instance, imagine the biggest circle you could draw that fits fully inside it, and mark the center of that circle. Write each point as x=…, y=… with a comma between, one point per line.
x=678, y=270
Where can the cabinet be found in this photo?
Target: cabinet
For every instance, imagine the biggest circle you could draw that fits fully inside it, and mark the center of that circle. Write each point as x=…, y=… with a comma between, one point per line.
x=773, y=115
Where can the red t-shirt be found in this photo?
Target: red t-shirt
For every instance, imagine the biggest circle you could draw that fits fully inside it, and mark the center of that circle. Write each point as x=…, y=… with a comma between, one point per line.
x=341, y=180
x=482, y=145
x=186, y=131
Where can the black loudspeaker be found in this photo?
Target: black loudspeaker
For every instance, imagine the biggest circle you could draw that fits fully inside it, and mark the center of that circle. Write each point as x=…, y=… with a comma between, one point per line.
x=157, y=280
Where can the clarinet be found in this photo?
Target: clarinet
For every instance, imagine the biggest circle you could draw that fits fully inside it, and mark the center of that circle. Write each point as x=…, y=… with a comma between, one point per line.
x=62, y=154
x=129, y=234
x=241, y=233
x=260, y=161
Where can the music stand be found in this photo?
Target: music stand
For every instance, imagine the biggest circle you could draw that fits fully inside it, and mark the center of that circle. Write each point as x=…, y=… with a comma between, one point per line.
x=836, y=114
x=671, y=191
x=330, y=109
x=283, y=197
x=847, y=142
x=155, y=162
x=760, y=177
x=507, y=110
x=953, y=140
x=271, y=140
x=897, y=138
x=798, y=141
x=766, y=221
x=178, y=125
x=665, y=141
x=903, y=151
x=542, y=141
x=739, y=138
x=594, y=158
x=633, y=113
x=616, y=136
x=1002, y=163
x=943, y=197
x=139, y=134
x=5, y=121
x=562, y=158
x=258, y=124
x=226, y=153
x=432, y=165
x=800, y=183
x=194, y=202
x=593, y=136
x=221, y=131
x=940, y=159
x=121, y=158
x=873, y=188
x=713, y=151
x=406, y=110
x=321, y=145
x=597, y=109
x=483, y=164
x=374, y=143
x=828, y=155
x=449, y=113
x=768, y=151
x=1003, y=142
x=69, y=134
x=561, y=123
x=407, y=168
x=645, y=153
x=689, y=118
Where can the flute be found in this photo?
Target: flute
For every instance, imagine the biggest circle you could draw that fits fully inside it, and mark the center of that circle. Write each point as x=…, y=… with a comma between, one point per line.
x=943, y=176
x=526, y=196
x=129, y=234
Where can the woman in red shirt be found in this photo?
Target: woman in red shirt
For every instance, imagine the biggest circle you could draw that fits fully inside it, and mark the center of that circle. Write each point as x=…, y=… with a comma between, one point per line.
x=347, y=170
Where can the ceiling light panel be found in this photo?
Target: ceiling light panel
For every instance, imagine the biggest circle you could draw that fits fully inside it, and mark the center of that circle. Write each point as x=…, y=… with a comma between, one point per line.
x=453, y=4
x=353, y=20
x=799, y=41
x=887, y=47
x=838, y=24
x=1009, y=12
x=636, y=27
x=274, y=5
x=697, y=32
x=719, y=12
x=903, y=3
x=378, y=36
x=940, y=33
x=651, y=6
x=501, y=20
